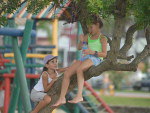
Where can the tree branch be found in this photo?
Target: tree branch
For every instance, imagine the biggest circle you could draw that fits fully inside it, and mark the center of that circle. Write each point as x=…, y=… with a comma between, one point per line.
x=146, y=50
x=109, y=41
x=147, y=35
x=128, y=58
x=124, y=67
x=129, y=36
x=142, y=55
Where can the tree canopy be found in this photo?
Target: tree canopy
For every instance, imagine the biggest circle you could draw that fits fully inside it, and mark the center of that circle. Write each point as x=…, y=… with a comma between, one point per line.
x=140, y=9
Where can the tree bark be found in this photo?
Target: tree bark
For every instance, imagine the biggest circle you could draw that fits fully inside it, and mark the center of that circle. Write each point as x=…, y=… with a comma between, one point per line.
x=118, y=30
x=129, y=38
x=116, y=39
x=147, y=34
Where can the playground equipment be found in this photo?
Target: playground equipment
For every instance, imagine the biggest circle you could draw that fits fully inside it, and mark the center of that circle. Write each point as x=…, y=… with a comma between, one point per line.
x=15, y=32
x=28, y=55
x=20, y=57
x=7, y=78
x=2, y=62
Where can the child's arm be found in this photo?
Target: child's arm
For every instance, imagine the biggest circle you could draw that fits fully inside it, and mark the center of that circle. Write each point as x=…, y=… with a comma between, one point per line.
x=81, y=39
x=104, y=47
x=47, y=85
x=60, y=70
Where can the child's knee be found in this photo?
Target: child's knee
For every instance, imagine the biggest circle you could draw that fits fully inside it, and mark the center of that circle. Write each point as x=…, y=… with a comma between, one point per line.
x=47, y=99
x=67, y=74
x=79, y=70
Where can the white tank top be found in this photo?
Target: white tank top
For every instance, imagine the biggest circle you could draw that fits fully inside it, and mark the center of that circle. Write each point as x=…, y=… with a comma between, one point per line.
x=39, y=85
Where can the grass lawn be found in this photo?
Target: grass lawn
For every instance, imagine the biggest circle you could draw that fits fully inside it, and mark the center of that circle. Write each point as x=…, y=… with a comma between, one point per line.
x=126, y=101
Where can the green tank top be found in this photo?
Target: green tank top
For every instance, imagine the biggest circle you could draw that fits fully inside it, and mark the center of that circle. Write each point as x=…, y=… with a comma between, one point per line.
x=95, y=45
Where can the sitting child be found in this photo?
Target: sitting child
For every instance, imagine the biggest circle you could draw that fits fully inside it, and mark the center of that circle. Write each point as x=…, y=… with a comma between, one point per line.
x=48, y=77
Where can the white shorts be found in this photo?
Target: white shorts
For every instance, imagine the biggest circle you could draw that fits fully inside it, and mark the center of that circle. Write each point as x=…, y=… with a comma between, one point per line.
x=1, y=98
x=37, y=96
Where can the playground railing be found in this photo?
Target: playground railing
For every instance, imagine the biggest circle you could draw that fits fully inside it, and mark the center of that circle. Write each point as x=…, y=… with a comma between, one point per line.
x=7, y=79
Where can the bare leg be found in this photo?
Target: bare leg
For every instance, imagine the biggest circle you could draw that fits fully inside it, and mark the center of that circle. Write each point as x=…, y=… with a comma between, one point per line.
x=65, y=83
x=42, y=104
x=80, y=77
x=1, y=109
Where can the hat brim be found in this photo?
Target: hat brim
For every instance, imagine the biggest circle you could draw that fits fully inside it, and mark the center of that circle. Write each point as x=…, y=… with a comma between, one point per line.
x=53, y=58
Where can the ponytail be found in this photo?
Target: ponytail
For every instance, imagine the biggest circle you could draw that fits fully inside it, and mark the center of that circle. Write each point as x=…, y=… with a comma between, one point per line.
x=45, y=69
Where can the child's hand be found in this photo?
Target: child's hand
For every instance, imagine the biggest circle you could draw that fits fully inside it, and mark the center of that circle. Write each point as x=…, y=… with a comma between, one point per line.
x=55, y=79
x=87, y=51
x=81, y=38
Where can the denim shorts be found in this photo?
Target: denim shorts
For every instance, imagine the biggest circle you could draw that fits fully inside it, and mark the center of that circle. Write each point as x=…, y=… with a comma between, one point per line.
x=96, y=60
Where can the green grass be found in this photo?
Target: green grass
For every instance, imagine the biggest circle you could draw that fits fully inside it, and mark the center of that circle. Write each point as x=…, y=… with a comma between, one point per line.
x=126, y=101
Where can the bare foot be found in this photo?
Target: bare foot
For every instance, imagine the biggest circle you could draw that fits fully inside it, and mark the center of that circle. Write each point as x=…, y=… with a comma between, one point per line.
x=76, y=100
x=59, y=102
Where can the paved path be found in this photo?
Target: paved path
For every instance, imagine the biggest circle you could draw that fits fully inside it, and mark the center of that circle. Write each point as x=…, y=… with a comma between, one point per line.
x=128, y=94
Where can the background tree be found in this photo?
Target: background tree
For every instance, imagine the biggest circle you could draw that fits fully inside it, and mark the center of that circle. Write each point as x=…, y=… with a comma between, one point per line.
x=116, y=10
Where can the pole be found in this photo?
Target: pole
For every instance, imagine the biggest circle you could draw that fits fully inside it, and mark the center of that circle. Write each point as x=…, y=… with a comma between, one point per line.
x=55, y=37
x=21, y=76
x=23, y=48
x=7, y=95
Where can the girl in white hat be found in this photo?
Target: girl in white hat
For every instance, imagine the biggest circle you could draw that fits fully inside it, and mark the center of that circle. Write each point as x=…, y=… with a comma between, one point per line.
x=48, y=77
